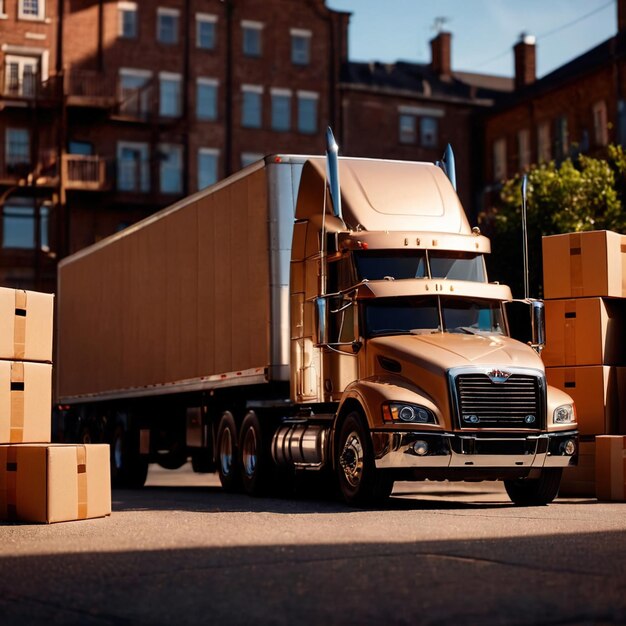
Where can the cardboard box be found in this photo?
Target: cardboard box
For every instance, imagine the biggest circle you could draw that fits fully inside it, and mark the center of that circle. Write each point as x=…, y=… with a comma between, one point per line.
x=580, y=480
x=54, y=482
x=26, y=320
x=581, y=265
x=594, y=390
x=585, y=331
x=25, y=402
x=611, y=468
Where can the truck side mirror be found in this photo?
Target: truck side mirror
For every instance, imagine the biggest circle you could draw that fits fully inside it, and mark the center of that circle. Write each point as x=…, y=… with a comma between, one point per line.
x=538, y=323
x=321, y=320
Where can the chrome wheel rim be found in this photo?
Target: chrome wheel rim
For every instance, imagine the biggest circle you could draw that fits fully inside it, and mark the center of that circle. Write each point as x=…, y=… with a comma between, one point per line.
x=226, y=452
x=249, y=452
x=351, y=459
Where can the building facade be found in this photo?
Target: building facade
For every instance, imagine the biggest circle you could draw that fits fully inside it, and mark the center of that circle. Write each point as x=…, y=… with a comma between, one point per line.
x=113, y=109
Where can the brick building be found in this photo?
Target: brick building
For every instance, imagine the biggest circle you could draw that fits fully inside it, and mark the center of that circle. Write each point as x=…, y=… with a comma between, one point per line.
x=579, y=107
x=113, y=109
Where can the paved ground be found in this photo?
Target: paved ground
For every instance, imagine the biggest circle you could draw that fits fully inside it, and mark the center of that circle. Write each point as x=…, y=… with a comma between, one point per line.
x=182, y=552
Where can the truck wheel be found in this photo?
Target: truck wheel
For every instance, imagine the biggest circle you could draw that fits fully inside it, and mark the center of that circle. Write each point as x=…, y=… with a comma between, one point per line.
x=535, y=491
x=128, y=468
x=228, y=453
x=256, y=463
x=359, y=482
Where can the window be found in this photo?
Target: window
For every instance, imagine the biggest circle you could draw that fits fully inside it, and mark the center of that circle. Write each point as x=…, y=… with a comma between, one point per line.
x=169, y=94
x=31, y=9
x=544, y=153
x=135, y=92
x=247, y=158
x=407, y=128
x=281, y=109
x=621, y=122
x=499, y=159
x=561, y=145
x=21, y=76
x=205, y=31
x=84, y=148
x=206, y=98
x=17, y=151
x=251, y=38
x=300, y=46
x=170, y=168
x=307, y=111
x=600, y=127
x=207, y=167
x=3, y=15
x=167, y=25
x=428, y=132
x=133, y=166
x=24, y=226
x=523, y=149
x=127, y=20
x=252, y=106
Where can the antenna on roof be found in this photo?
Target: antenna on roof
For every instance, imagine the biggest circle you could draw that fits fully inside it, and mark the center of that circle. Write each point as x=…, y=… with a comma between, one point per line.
x=439, y=23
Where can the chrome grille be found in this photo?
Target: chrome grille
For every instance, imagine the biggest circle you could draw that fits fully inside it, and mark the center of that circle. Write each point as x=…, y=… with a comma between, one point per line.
x=516, y=403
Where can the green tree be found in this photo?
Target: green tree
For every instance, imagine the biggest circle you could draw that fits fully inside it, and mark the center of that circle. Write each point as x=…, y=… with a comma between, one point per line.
x=583, y=193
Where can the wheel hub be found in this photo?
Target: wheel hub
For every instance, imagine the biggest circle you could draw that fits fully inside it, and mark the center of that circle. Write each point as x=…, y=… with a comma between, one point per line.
x=249, y=452
x=226, y=452
x=351, y=459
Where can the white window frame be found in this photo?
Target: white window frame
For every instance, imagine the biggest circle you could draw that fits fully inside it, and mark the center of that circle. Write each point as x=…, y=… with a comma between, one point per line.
x=144, y=97
x=544, y=149
x=36, y=216
x=310, y=96
x=126, y=7
x=172, y=78
x=142, y=185
x=210, y=82
x=251, y=25
x=22, y=61
x=162, y=12
x=165, y=166
x=499, y=159
x=211, y=152
x=301, y=34
x=39, y=17
x=407, y=128
x=255, y=89
x=206, y=18
x=425, y=141
x=281, y=93
x=600, y=123
x=3, y=15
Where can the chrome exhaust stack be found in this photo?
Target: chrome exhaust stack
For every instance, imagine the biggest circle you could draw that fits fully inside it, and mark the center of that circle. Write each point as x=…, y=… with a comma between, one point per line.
x=332, y=165
x=448, y=165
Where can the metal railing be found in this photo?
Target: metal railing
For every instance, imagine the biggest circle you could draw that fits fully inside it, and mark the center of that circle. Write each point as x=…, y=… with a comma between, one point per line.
x=42, y=168
x=29, y=86
x=84, y=172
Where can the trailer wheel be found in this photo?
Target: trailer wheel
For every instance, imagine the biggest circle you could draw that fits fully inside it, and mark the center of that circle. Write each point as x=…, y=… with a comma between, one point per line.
x=256, y=463
x=359, y=481
x=228, y=453
x=128, y=468
x=535, y=491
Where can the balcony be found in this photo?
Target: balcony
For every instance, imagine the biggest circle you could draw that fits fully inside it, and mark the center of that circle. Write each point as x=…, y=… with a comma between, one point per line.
x=28, y=87
x=84, y=173
x=19, y=169
x=89, y=88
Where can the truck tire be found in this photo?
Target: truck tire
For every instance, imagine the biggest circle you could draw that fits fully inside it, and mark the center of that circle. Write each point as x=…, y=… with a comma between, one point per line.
x=360, y=483
x=256, y=461
x=227, y=450
x=129, y=469
x=535, y=491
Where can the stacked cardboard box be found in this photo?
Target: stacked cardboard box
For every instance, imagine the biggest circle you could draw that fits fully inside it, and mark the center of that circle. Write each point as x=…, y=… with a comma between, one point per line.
x=585, y=354
x=40, y=481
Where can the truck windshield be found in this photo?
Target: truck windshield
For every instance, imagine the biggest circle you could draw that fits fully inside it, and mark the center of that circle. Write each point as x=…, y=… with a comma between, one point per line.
x=424, y=314
x=381, y=264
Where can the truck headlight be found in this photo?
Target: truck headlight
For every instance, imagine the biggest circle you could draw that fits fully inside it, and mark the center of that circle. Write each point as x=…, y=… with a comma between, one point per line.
x=409, y=413
x=563, y=414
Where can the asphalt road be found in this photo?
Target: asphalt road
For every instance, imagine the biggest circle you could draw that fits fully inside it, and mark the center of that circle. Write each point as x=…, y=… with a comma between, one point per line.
x=182, y=552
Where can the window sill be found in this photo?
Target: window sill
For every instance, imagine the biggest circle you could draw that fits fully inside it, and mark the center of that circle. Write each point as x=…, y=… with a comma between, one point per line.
x=33, y=18
x=4, y=16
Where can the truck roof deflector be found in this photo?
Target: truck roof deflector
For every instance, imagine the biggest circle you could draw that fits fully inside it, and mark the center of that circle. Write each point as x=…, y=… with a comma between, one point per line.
x=448, y=166
x=332, y=164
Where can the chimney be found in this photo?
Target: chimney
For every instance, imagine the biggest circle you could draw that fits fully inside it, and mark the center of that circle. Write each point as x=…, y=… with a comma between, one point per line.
x=441, y=57
x=621, y=16
x=525, y=61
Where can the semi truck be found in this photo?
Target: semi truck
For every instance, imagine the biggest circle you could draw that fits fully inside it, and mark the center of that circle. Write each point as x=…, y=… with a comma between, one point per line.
x=309, y=314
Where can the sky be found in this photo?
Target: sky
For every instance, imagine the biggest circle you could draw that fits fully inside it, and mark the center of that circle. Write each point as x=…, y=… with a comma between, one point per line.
x=483, y=31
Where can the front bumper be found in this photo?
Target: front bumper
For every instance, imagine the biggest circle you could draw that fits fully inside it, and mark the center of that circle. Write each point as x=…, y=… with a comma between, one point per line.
x=397, y=450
